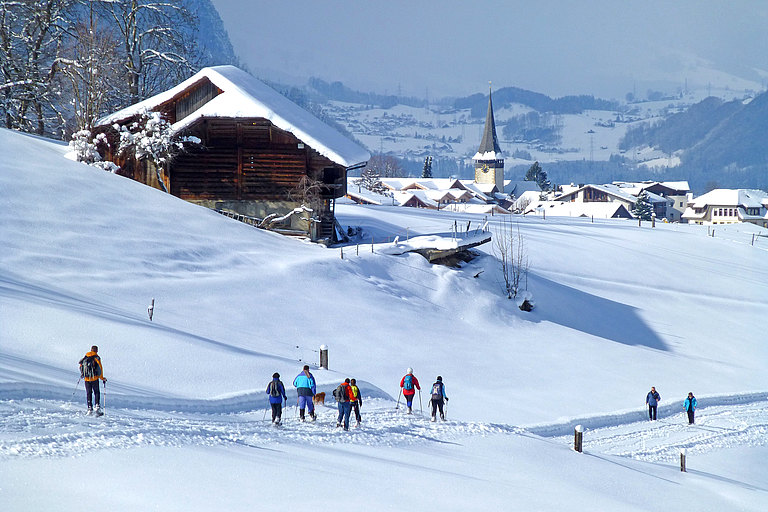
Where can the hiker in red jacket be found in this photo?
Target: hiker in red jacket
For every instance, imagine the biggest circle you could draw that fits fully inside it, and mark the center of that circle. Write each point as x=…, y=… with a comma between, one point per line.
x=410, y=384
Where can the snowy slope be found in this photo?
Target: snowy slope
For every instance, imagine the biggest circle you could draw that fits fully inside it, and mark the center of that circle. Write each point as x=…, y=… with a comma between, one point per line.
x=618, y=308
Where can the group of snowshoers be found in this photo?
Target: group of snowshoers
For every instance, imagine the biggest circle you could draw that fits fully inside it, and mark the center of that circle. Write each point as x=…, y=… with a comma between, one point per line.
x=653, y=398
x=347, y=395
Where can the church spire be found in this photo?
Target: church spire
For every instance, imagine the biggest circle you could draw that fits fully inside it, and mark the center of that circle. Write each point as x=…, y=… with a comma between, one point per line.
x=489, y=146
x=489, y=160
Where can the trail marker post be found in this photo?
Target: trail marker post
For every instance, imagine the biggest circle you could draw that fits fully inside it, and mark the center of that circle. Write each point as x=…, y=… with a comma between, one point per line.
x=578, y=438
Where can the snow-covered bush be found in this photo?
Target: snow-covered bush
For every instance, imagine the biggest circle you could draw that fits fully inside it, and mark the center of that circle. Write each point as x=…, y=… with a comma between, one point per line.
x=85, y=147
x=151, y=138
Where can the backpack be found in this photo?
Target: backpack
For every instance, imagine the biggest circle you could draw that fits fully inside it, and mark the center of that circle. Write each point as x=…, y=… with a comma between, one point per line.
x=274, y=388
x=89, y=368
x=340, y=394
x=408, y=382
x=437, y=390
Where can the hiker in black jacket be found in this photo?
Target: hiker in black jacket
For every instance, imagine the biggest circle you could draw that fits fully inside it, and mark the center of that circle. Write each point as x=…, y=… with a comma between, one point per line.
x=276, y=392
x=438, y=395
x=652, y=399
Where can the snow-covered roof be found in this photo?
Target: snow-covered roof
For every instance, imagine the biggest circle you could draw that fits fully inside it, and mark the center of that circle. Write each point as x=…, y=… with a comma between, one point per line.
x=518, y=188
x=613, y=190
x=601, y=210
x=246, y=96
x=732, y=197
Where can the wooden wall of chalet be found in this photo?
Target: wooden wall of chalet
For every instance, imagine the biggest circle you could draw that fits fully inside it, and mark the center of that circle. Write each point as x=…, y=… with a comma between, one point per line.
x=248, y=159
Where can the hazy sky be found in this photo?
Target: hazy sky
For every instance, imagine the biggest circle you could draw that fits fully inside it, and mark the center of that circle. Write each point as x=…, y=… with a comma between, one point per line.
x=453, y=47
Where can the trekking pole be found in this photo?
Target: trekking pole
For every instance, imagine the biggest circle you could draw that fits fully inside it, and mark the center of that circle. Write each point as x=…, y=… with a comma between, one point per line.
x=105, y=397
x=265, y=412
x=420, y=404
x=398, y=399
x=76, y=385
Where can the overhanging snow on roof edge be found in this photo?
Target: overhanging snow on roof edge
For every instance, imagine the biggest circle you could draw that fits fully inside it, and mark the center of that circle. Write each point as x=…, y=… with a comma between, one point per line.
x=246, y=96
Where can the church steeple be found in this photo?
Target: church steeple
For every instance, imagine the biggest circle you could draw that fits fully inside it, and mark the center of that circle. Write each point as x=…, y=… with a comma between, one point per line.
x=489, y=159
x=489, y=144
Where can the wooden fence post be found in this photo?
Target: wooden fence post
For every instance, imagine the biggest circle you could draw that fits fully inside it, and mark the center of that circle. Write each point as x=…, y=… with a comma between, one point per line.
x=682, y=460
x=578, y=438
x=324, y=356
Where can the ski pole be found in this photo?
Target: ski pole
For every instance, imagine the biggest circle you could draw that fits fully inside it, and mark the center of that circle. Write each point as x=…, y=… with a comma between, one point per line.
x=105, y=397
x=420, y=404
x=76, y=385
x=398, y=398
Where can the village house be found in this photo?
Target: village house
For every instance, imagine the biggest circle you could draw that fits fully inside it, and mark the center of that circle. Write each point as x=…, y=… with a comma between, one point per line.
x=676, y=192
x=728, y=206
x=258, y=155
x=613, y=193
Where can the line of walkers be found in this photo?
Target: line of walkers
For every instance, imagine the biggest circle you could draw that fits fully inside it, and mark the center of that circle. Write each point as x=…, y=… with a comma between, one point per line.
x=347, y=394
x=408, y=386
x=653, y=398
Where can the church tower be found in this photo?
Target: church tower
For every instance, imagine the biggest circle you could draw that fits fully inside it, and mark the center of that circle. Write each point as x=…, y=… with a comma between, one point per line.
x=489, y=160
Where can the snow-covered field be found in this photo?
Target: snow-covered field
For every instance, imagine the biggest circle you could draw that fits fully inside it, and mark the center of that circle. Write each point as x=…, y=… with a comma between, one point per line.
x=618, y=308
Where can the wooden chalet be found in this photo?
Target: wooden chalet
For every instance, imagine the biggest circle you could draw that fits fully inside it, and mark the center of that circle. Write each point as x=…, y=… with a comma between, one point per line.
x=255, y=147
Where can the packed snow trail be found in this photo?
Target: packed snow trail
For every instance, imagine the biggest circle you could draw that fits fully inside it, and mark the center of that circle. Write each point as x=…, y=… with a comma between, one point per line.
x=49, y=428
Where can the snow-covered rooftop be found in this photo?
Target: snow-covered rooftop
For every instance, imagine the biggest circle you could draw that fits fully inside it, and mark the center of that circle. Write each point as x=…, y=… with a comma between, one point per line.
x=568, y=209
x=246, y=96
x=732, y=197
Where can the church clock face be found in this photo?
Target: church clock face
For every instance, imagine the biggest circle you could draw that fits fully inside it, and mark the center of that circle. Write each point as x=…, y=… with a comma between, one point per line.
x=485, y=168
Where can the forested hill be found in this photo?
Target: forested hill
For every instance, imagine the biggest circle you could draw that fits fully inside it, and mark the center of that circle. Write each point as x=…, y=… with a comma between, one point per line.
x=720, y=142
x=537, y=101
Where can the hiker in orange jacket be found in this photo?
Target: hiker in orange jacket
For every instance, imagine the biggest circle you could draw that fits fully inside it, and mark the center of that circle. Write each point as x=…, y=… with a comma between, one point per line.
x=91, y=371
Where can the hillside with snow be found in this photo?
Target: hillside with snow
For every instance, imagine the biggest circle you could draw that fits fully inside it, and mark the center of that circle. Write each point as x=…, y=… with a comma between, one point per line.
x=618, y=308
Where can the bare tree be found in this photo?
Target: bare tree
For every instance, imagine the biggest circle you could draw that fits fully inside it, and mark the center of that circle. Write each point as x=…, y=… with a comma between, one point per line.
x=386, y=166
x=509, y=248
x=155, y=51
x=89, y=64
x=31, y=33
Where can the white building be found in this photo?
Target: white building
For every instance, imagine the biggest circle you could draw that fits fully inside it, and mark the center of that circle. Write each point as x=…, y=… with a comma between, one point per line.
x=728, y=206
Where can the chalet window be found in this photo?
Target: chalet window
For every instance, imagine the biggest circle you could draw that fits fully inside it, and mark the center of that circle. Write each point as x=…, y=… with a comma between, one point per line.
x=195, y=99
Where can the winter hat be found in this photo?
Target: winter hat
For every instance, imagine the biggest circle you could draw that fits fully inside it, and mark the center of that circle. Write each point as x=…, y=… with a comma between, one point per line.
x=440, y=378
x=275, y=375
x=409, y=371
x=346, y=380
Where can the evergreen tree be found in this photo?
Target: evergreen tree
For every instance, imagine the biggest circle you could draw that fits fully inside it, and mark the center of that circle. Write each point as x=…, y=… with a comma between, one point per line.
x=427, y=172
x=539, y=175
x=643, y=208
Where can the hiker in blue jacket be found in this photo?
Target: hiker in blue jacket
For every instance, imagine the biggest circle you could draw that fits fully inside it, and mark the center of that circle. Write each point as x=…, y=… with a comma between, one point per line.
x=438, y=395
x=690, y=406
x=305, y=388
x=276, y=392
x=652, y=400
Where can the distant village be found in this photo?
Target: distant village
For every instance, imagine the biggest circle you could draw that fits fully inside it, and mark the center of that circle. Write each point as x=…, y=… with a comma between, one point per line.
x=489, y=193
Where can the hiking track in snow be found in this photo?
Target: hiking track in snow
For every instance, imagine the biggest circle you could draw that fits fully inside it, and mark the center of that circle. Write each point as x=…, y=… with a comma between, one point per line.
x=53, y=428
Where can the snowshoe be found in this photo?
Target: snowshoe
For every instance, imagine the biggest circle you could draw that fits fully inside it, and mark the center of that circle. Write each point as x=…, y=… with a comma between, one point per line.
x=99, y=412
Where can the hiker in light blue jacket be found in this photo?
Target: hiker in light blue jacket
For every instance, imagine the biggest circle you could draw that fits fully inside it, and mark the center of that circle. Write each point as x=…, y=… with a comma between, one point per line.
x=690, y=406
x=305, y=388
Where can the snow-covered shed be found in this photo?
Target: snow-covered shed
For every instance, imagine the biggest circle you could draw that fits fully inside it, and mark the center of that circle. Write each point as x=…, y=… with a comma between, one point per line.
x=256, y=148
